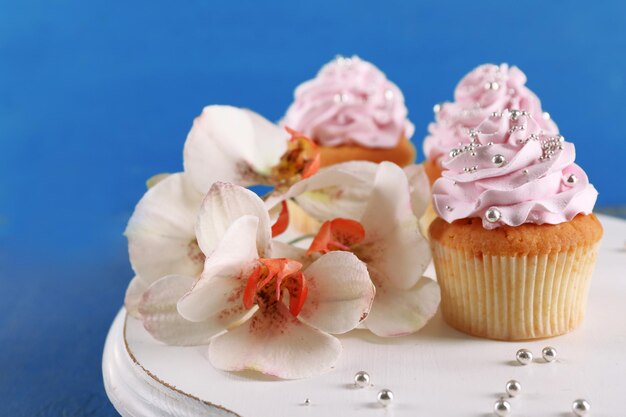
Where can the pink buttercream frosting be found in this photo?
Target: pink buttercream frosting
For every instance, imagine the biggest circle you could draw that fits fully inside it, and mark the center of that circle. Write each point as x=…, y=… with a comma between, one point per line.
x=510, y=172
x=488, y=88
x=350, y=102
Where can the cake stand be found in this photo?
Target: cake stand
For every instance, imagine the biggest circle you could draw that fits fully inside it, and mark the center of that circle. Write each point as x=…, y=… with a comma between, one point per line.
x=437, y=372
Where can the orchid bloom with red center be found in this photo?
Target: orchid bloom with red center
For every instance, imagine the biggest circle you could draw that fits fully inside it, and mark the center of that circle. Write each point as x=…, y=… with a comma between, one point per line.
x=224, y=144
x=261, y=307
x=379, y=212
x=241, y=147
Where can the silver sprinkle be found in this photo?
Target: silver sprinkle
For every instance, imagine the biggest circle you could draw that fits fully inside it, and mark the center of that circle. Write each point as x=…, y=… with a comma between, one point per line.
x=546, y=115
x=361, y=379
x=513, y=388
x=492, y=215
x=581, y=407
x=437, y=108
x=385, y=397
x=549, y=354
x=498, y=160
x=492, y=85
x=340, y=98
x=388, y=95
x=307, y=401
x=524, y=356
x=525, y=172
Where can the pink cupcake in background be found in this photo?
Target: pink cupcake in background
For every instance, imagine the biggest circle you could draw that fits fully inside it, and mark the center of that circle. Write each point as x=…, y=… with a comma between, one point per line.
x=485, y=90
x=353, y=112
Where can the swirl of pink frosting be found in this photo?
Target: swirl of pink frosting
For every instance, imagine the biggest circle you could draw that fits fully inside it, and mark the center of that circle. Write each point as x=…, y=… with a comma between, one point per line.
x=487, y=89
x=350, y=102
x=511, y=172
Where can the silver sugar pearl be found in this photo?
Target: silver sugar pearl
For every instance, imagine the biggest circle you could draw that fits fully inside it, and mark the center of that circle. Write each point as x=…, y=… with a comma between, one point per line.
x=437, y=108
x=513, y=388
x=388, y=95
x=361, y=379
x=546, y=115
x=449, y=208
x=515, y=114
x=307, y=402
x=524, y=356
x=502, y=408
x=498, y=160
x=385, y=397
x=525, y=172
x=571, y=179
x=581, y=407
x=453, y=152
x=549, y=354
x=492, y=215
x=492, y=85
x=340, y=98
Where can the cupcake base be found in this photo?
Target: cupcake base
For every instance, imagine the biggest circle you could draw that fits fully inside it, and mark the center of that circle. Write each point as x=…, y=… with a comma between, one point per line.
x=402, y=154
x=492, y=288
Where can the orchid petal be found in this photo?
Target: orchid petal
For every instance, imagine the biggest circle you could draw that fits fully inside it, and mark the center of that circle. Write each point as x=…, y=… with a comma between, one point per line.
x=393, y=243
x=275, y=343
x=419, y=188
x=335, y=191
x=397, y=312
x=231, y=144
x=134, y=293
x=161, y=319
x=340, y=293
x=163, y=224
x=218, y=294
x=224, y=204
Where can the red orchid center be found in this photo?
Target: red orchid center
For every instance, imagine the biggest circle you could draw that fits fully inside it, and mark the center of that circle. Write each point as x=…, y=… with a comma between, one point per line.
x=300, y=160
x=270, y=278
x=337, y=234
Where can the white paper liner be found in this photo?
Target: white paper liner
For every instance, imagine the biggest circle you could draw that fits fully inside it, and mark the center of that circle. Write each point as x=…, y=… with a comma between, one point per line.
x=514, y=297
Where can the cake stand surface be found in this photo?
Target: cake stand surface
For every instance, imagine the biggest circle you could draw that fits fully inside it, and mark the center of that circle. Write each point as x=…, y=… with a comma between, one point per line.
x=437, y=372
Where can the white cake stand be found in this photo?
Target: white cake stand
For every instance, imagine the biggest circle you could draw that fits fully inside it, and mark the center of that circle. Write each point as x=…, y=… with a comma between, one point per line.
x=437, y=372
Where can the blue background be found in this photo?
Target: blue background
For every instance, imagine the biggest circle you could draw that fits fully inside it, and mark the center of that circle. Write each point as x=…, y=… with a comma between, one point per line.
x=97, y=96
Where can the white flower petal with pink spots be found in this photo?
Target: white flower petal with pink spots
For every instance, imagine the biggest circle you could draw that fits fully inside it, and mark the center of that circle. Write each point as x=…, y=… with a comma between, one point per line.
x=398, y=312
x=393, y=243
x=161, y=319
x=275, y=343
x=218, y=295
x=224, y=204
x=231, y=144
x=340, y=293
x=161, y=236
x=134, y=292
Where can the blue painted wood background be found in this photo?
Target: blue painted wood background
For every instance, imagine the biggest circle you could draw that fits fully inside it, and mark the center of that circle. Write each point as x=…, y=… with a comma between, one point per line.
x=96, y=96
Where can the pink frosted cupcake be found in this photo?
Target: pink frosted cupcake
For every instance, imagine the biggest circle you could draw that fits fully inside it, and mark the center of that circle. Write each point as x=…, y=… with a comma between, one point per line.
x=487, y=89
x=353, y=112
x=515, y=240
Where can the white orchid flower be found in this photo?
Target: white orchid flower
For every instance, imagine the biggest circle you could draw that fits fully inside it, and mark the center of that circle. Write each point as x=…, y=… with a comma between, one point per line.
x=161, y=236
x=236, y=145
x=342, y=191
x=273, y=315
x=377, y=221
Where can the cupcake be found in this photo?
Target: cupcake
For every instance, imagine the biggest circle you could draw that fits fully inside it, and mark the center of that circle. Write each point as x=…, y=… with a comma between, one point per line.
x=515, y=241
x=487, y=89
x=353, y=112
